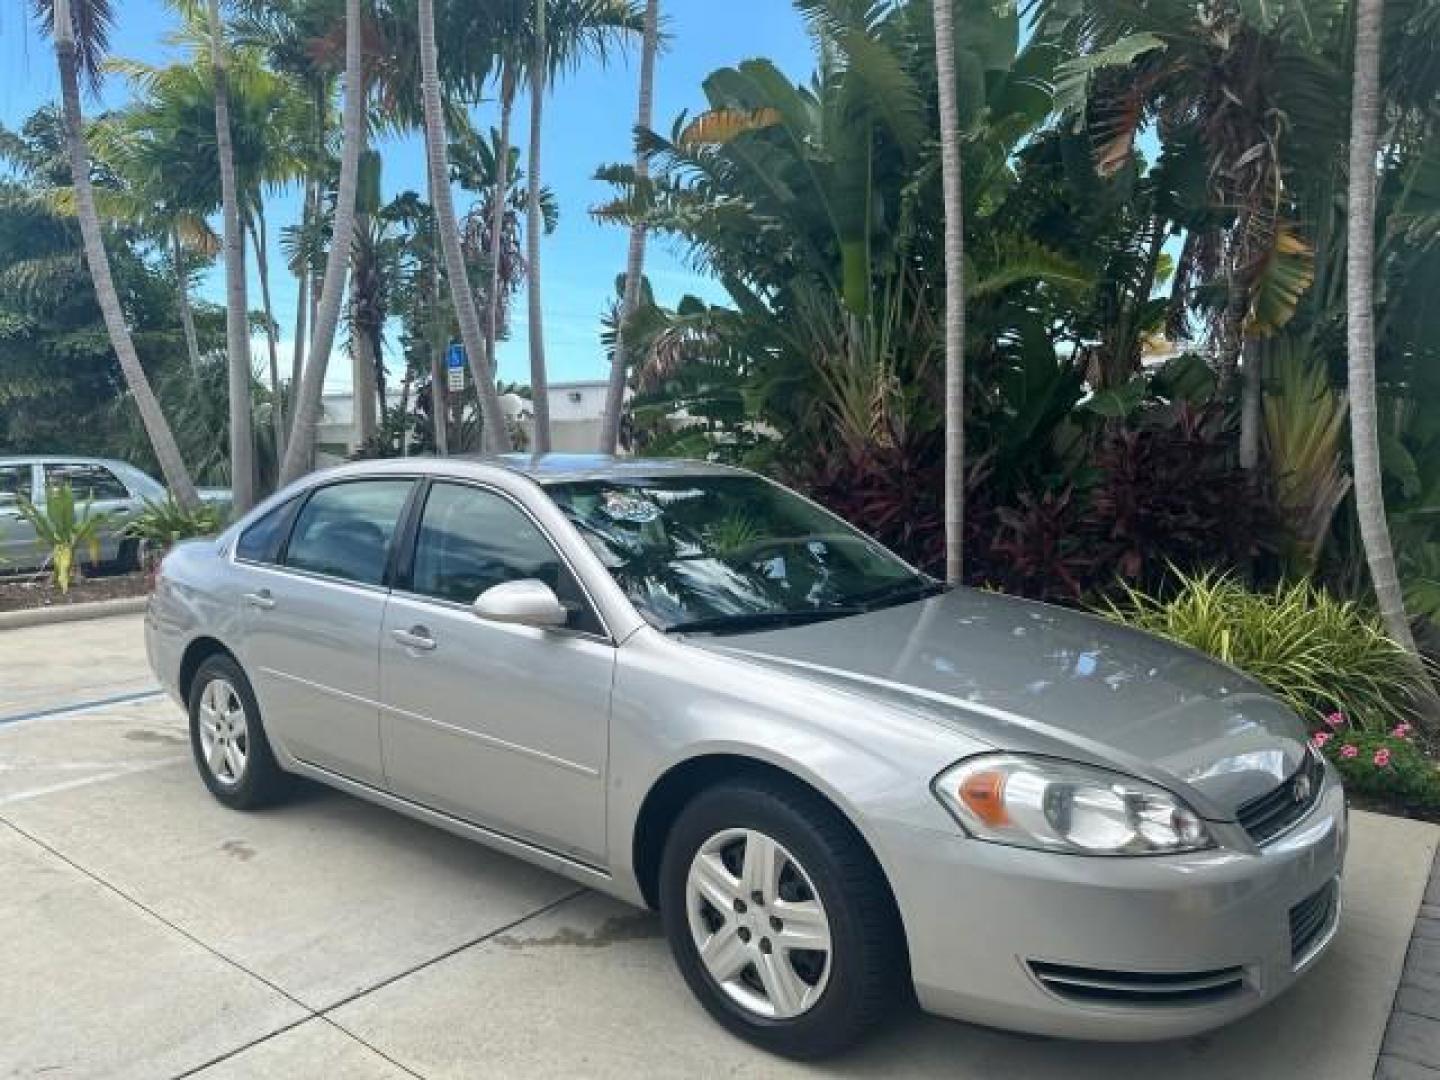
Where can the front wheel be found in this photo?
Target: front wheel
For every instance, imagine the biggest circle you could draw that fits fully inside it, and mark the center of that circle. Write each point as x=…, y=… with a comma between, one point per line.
x=779, y=918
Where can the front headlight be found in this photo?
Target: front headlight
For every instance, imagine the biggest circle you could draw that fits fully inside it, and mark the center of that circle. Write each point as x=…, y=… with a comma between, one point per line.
x=1062, y=806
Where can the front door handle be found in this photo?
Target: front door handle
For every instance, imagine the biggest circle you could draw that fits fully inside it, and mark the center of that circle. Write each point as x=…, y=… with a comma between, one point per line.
x=417, y=637
x=262, y=600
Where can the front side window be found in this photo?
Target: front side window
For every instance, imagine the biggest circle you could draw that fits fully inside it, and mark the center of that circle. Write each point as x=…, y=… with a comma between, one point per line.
x=88, y=482
x=14, y=485
x=471, y=540
x=345, y=530
x=730, y=553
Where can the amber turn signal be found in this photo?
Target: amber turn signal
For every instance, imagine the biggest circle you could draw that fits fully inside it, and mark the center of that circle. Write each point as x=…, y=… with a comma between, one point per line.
x=984, y=794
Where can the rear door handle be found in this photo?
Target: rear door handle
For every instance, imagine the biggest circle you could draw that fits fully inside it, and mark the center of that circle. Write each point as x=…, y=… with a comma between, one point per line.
x=262, y=600
x=417, y=637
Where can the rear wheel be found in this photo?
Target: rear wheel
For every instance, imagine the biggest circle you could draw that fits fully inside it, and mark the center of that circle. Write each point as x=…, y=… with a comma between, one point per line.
x=228, y=740
x=779, y=919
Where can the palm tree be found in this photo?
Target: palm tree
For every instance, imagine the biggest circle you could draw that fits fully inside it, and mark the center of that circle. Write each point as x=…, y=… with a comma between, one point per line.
x=954, y=293
x=539, y=383
x=1360, y=301
x=635, y=263
x=237, y=308
x=300, y=452
x=75, y=51
x=496, y=435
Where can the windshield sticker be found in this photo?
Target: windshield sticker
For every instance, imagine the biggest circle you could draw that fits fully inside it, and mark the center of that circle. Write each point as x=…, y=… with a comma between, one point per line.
x=632, y=509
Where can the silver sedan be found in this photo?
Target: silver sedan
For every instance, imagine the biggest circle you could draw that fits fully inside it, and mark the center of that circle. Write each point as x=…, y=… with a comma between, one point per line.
x=842, y=784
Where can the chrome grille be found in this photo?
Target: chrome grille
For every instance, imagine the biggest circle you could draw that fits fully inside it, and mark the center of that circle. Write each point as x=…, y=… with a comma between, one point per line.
x=1269, y=815
x=1309, y=920
x=1142, y=988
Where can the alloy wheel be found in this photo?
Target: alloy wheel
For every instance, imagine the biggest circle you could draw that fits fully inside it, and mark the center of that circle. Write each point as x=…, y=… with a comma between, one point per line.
x=758, y=924
x=224, y=732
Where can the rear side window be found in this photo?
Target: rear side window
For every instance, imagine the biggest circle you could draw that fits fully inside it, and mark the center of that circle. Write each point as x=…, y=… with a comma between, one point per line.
x=345, y=530
x=260, y=543
x=87, y=482
x=14, y=485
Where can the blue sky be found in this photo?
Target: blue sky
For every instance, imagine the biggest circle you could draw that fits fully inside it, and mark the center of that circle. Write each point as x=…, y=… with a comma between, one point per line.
x=589, y=115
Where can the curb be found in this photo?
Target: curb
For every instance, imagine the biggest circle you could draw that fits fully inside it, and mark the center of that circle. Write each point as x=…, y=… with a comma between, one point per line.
x=64, y=613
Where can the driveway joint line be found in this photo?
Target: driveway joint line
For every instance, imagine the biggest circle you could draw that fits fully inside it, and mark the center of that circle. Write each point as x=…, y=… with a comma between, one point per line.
x=448, y=953
x=311, y=1012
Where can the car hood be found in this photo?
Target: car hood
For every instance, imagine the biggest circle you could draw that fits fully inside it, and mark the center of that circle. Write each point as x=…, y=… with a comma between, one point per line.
x=1024, y=676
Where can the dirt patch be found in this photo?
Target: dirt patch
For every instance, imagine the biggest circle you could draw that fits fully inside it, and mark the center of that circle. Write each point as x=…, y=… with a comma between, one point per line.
x=22, y=594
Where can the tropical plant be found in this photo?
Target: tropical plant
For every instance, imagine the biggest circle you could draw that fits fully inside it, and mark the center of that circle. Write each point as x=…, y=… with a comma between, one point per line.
x=954, y=291
x=1385, y=768
x=300, y=448
x=1319, y=653
x=635, y=260
x=1304, y=434
x=1360, y=311
x=237, y=318
x=81, y=35
x=447, y=225
x=66, y=528
x=162, y=523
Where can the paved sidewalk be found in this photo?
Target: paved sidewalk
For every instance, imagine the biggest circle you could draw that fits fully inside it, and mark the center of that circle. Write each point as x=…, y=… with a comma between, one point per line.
x=148, y=932
x=1411, y=1050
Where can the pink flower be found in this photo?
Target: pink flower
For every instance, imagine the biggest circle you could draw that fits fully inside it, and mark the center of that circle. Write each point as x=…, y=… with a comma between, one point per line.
x=1402, y=731
x=1382, y=758
x=1320, y=738
x=1336, y=719
x=1349, y=751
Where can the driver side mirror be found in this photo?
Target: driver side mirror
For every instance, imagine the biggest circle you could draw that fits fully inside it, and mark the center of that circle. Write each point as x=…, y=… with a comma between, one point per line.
x=522, y=603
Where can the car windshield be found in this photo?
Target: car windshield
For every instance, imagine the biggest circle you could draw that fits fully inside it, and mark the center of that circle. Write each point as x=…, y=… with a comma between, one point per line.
x=724, y=554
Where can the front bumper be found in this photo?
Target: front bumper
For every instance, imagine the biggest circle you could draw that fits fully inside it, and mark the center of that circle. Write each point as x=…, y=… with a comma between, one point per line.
x=979, y=917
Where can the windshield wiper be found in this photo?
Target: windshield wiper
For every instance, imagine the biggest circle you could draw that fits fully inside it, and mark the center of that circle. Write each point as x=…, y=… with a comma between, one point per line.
x=760, y=620
x=903, y=593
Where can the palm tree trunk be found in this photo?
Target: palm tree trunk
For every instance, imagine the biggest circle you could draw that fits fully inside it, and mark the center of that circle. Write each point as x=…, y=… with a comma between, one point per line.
x=1251, y=394
x=534, y=225
x=498, y=209
x=162, y=439
x=302, y=306
x=300, y=452
x=259, y=236
x=496, y=436
x=182, y=299
x=237, y=310
x=954, y=293
x=635, y=262
x=1360, y=304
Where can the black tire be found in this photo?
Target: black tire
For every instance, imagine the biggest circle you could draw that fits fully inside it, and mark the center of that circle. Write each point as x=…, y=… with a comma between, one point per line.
x=869, y=966
x=261, y=781
x=127, y=558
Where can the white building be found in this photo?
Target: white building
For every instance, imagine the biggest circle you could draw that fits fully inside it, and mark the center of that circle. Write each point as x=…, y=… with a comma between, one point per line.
x=577, y=410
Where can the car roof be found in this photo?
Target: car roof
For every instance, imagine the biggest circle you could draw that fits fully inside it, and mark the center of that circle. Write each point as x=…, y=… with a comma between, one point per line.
x=62, y=459
x=541, y=468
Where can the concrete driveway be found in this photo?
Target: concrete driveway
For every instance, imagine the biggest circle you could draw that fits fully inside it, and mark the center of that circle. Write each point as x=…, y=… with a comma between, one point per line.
x=147, y=932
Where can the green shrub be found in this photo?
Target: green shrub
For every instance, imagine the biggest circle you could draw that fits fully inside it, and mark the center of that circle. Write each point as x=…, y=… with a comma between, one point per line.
x=1388, y=768
x=66, y=528
x=1321, y=654
x=162, y=524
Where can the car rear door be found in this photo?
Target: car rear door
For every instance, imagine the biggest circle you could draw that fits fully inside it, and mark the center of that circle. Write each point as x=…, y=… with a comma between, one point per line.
x=313, y=604
x=18, y=547
x=94, y=484
x=505, y=726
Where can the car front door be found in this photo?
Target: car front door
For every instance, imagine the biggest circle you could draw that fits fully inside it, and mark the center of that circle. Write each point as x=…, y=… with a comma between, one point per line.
x=18, y=547
x=502, y=725
x=313, y=604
